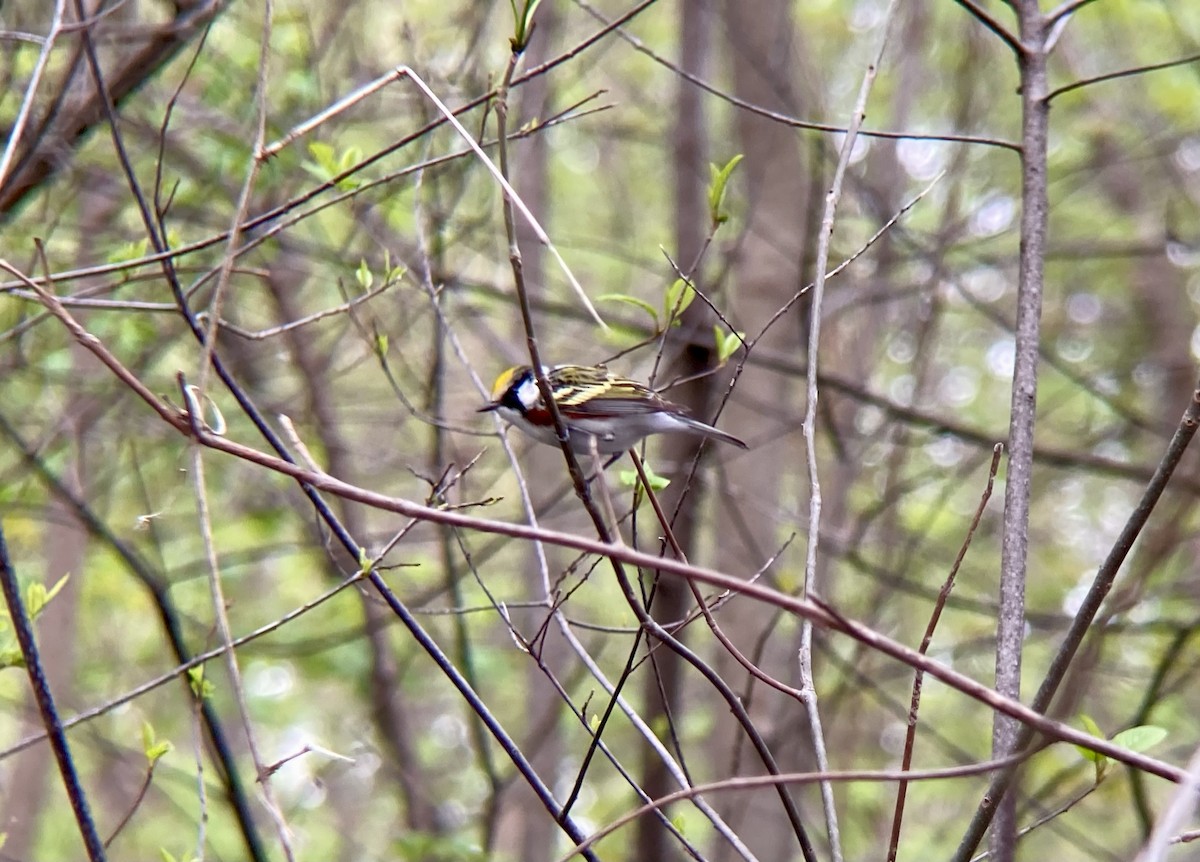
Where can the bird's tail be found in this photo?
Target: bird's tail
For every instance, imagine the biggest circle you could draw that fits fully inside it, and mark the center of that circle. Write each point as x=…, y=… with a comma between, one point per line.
x=715, y=433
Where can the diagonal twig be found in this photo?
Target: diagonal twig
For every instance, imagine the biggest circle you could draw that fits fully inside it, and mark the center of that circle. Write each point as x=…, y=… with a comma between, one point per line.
x=45, y=701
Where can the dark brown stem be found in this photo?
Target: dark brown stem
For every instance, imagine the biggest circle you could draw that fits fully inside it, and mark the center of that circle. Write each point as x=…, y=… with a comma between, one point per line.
x=910, y=737
x=23, y=627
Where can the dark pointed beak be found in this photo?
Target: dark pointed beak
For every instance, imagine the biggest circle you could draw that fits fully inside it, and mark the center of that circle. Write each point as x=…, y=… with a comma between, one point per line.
x=488, y=408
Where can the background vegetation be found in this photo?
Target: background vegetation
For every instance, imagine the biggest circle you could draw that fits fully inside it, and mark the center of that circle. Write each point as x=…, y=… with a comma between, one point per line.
x=412, y=679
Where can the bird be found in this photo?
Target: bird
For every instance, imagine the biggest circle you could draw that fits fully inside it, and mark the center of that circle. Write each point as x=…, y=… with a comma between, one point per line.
x=595, y=404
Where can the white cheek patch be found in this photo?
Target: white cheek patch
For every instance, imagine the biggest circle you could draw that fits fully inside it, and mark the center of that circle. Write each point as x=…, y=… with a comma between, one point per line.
x=527, y=393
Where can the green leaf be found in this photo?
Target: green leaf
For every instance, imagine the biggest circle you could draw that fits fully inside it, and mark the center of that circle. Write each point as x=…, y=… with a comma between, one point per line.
x=165, y=856
x=679, y=823
x=350, y=158
x=787, y=580
x=147, y=735
x=364, y=276
x=1140, y=738
x=129, y=251
x=151, y=747
x=35, y=599
x=523, y=20
x=11, y=657
x=1094, y=729
x=324, y=158
x=326, y=164
x=1101, y=761
x=57, y=588
x=679, y=296
x=657, y=482
x=392, y=272
x=395, y=273
x=660, y=727
x=717, y=188
x=201, y=686
x=630, y=479
x=727, y=343
x=37, y=596
x=635, y=302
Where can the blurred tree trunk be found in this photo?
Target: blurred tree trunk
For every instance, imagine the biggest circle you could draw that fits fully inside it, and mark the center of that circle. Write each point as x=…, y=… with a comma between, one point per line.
x=856, y=331
x=65, y=555
x=767, y=270
x=392, y=720
x=689, y=353
x=1166, y=316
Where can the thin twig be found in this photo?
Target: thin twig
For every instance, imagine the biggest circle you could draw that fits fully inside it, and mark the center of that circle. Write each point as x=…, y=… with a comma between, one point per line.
x=227, y=771
x=809, y=693
x=1067, y=8
x=137, y=802
x=910, y=735
x=652, y=740
x=221, y=617
x=348, y=101
x=510, y=194
x=985, y=18
x=1048, y=817
x=863, y=249
x=268, y=224
x=1181, y=806
x=1123, y=73
x=702, y=607
x=179, y=670
x=577, y=478
x=198, y=705
x=23, y=628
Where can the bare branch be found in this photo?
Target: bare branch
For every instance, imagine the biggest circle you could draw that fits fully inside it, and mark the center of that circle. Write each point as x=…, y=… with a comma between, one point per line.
x=1124, y=73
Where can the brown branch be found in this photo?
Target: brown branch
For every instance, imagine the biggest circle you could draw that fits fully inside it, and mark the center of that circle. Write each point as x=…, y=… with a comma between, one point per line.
x=78, y=119
x=1018, y=485
x=1065, y=9
x=910, y=737
x=985, y=18
x=1123, y=73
